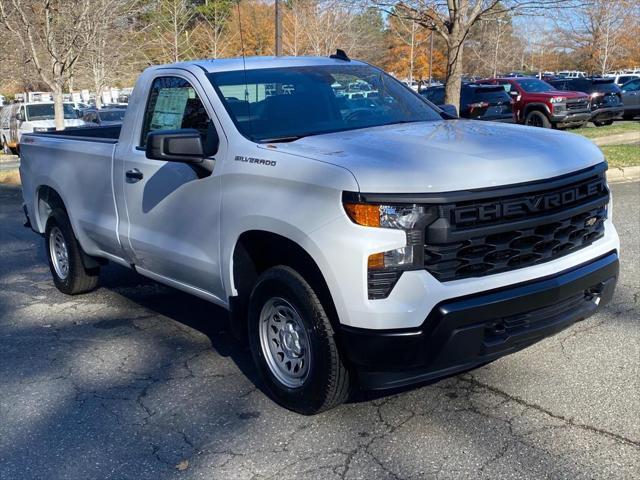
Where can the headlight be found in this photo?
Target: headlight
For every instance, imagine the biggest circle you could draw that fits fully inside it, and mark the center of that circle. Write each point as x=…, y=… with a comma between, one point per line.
x=41, y=129
x=386, y=267
x=557, y=99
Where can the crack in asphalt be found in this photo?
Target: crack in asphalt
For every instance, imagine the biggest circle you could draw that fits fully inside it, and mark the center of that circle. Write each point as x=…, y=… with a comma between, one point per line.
x=469, y=378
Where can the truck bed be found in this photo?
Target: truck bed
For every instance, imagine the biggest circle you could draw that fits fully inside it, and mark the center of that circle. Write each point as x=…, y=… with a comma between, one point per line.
x=79, y=163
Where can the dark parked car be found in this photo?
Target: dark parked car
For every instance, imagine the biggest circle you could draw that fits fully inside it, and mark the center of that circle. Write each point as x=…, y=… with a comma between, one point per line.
x=112, y=116
x=631, y=98
x=478, y=102
x=538, y=104
x=606, y=97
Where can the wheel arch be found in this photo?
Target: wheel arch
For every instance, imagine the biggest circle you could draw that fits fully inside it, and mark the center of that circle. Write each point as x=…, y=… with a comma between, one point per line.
x=47, y=198
x=538, y=107
x=254, y=252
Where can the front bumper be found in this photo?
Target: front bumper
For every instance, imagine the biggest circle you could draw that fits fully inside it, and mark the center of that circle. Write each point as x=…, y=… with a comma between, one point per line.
x=467, y=332
x=607, y=113
x=571, y=118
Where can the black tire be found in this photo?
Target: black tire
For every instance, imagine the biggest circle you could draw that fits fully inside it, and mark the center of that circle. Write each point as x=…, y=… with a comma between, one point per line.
x=603, y=124
x=328, y=382
x=536, y=118
x=78, y=279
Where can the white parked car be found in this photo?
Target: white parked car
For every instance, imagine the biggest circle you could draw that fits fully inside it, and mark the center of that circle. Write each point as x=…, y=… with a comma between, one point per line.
x=572, y=74
x=622, y=78
x=20, y=118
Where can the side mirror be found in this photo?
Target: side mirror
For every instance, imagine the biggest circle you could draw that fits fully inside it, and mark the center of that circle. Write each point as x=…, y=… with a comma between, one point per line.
x=175, y=146
x=19, y=117
x=450, y=110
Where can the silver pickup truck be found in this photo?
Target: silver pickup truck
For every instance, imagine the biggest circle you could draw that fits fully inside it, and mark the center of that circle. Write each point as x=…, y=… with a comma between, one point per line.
x=372, y=240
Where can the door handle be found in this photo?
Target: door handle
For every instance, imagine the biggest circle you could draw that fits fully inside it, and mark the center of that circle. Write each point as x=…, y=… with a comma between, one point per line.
x=134, y=174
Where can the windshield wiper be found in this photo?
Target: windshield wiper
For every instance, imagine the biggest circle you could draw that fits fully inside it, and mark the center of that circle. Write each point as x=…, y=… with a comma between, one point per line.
x=284, y=139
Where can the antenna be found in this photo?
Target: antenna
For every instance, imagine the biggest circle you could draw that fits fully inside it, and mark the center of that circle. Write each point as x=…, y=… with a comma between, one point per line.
x=244, y=62
x=244, y=69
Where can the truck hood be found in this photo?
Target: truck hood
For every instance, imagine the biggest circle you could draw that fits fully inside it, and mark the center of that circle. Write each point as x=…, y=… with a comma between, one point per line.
x=558, y=93
x=444, y=156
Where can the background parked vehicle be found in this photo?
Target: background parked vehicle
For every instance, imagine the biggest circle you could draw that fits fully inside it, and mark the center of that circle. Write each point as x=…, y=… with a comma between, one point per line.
x=538, y=104
x=105, y=116
x=606, y=97
x=621, y=79
x=20, y=118
x=571, y=74
x=631, y=98
x=478, y=102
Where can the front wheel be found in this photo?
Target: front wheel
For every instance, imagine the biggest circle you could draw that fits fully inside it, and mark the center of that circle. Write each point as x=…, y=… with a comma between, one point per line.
x=293, y=344
x=537, y=119
x=65, y=257
x=603, y=124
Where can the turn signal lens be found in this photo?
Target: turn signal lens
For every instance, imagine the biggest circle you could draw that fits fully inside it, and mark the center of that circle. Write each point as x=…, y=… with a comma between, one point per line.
x=376, y=261
x=363, y=214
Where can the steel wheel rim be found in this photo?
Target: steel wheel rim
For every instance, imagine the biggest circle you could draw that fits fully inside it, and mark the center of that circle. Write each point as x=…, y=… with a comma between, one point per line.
x=59, y=253
x=284, y=342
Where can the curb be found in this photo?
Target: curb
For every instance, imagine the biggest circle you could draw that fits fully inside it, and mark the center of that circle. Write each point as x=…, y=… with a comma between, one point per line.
x=9, y=158
x=617, y=139
x=10, y=176
x=623, y=174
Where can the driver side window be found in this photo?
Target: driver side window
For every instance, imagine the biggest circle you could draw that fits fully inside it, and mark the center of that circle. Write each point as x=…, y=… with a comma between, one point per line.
x=173, y=104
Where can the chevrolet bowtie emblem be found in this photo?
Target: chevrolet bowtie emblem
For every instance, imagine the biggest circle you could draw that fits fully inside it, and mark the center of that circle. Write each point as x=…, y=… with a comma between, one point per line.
x=590, y=222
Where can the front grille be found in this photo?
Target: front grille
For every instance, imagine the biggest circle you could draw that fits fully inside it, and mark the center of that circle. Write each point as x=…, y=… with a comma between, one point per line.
x=461, y=246
x=578, y=104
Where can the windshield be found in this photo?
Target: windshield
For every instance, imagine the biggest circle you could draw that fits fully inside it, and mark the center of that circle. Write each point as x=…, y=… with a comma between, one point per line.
x=112, y=115
x=487, y=94
x=288, y=103
x=44, y=111
x=533, y=85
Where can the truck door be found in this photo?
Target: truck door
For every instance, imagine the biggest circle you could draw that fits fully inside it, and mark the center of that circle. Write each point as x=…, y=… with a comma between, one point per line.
x=172, y=219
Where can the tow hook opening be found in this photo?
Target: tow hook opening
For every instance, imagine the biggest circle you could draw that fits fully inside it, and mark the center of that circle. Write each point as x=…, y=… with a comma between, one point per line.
x=594, y=293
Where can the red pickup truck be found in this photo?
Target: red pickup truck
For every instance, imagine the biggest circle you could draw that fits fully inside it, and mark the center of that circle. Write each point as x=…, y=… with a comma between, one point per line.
x=538, y=104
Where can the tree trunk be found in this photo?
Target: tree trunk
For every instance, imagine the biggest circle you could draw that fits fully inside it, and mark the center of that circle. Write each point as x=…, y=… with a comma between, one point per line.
x=454, y=74
x=58, y=108
x=99, y=98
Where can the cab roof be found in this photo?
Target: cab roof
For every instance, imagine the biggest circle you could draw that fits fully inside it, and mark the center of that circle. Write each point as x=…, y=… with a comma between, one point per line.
x=253, y=63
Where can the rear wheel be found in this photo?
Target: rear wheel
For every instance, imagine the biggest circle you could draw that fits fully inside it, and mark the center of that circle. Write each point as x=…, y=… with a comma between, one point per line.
x=65, y=257
x=537, y=119
x=603, y=124
x=293, y=344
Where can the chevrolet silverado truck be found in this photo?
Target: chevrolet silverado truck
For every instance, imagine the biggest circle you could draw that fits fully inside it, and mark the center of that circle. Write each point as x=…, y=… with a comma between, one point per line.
x=538, y=104
x=357, y=242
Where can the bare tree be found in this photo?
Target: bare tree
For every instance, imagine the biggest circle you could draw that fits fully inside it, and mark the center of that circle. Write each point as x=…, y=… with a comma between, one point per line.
x=453, y=20
x=406, y=30
x=595, y=31
x=172, y=19
x=52, y=32
x=108, y=40
x=214, y=16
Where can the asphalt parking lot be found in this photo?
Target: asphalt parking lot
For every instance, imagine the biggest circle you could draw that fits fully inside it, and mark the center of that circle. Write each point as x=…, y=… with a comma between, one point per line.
x=140, y=381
